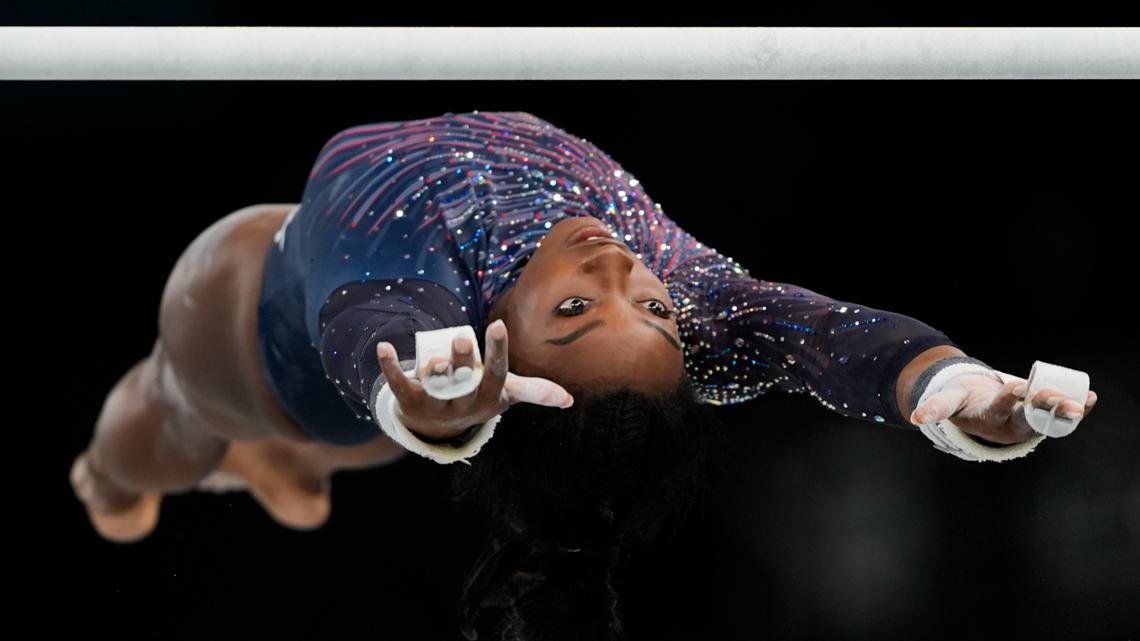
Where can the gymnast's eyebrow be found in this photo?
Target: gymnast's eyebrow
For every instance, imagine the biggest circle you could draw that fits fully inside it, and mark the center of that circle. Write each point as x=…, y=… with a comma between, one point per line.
x=581, y=331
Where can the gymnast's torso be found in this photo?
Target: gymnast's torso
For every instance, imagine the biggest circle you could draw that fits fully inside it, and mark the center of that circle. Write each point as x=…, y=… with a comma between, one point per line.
x=413, y=225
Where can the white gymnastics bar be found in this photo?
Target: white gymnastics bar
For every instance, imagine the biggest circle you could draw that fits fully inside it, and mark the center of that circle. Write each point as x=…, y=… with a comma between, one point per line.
x=567, y=53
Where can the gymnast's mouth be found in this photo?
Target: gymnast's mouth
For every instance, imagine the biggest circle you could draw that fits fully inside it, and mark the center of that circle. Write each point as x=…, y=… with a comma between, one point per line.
x=596, y=233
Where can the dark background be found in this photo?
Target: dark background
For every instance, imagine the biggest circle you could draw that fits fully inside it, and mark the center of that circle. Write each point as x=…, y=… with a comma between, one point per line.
x=580, y=13
x=999, y=212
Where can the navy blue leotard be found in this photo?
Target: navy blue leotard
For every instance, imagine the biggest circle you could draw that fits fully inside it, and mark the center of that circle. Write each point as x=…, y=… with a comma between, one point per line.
x=422, y=224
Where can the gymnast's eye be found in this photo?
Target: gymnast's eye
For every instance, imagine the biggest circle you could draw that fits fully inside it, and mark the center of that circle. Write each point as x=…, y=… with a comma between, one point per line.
x=571, y=306
x=576, y=305
x=660, y=309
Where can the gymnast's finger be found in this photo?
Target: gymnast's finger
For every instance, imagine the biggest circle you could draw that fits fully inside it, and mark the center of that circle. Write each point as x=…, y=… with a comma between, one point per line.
x=436, y=365
x=1007, y=399
x=1051, y=397
x=462, y=353
x=490, y=390
x=938, y=407
x=401, y=385
x=540, y=391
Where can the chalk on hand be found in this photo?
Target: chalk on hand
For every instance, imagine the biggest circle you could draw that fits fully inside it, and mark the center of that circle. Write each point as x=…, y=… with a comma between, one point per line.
x=456, y=382
x=1074, y=384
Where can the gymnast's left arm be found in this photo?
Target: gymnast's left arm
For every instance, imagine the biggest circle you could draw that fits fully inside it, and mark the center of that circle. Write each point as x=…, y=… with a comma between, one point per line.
x=744, y=336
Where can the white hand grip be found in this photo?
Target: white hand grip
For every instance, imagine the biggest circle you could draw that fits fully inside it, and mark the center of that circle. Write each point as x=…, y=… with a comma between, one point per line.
x=1074, y=384
x=454, y=383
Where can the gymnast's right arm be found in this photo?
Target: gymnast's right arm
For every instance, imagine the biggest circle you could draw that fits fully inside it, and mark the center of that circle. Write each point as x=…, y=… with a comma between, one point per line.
x=355, y=321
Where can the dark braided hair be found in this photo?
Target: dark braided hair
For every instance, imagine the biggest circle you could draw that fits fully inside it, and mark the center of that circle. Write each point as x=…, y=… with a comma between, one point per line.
x=569, y=492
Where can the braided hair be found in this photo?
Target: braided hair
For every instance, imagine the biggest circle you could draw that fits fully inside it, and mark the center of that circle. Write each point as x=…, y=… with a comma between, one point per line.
x=569, y=492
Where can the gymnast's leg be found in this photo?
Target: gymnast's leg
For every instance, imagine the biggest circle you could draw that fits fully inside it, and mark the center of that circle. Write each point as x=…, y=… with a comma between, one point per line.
x=146, y=442
x=197, y=412
x=168, y=423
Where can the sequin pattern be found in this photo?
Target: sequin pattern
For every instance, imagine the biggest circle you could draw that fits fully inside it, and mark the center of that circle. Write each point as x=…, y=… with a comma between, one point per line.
x=478, y=189
x=744, y=336
x=464, y=200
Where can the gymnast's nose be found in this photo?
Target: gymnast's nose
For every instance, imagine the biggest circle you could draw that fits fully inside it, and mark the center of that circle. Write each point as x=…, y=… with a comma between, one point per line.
x=610, y=263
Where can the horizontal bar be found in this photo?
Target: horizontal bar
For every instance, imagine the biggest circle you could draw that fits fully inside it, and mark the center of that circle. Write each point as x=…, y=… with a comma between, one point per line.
x=566, y=53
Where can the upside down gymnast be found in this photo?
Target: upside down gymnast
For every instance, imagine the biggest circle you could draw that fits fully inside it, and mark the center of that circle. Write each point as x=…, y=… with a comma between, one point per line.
x=280, y=325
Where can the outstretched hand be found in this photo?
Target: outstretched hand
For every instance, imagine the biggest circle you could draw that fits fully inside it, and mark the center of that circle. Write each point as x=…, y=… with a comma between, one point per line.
x=983, y=406
x=497, y=391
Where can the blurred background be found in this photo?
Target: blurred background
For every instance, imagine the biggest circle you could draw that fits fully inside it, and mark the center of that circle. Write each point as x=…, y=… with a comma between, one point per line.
x=999, y=212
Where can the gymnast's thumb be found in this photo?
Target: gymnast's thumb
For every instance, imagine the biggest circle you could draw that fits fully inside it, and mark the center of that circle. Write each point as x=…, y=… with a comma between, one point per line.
x=540, y=391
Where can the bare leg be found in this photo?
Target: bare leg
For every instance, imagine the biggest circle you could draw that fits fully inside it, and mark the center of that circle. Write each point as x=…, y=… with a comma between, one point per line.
x=199, y=403
x=144, y=447
x=144, y=444
x=292, y=479
x=147, y=444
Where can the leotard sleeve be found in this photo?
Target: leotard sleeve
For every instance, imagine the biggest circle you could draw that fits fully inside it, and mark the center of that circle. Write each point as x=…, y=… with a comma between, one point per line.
x=358, y=316
x=744, y=335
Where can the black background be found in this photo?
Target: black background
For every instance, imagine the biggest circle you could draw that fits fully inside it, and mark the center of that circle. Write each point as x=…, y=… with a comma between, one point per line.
x=998, y=212
x=727, y=13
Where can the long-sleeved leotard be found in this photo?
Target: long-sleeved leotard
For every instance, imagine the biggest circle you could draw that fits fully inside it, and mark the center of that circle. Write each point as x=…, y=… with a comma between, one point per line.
x=423, y=224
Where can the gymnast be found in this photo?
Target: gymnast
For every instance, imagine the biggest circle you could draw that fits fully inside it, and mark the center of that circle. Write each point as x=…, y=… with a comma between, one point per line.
x=282, y=327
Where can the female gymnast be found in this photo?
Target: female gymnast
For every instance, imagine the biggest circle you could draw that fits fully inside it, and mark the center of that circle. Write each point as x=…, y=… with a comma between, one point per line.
x=282, y=325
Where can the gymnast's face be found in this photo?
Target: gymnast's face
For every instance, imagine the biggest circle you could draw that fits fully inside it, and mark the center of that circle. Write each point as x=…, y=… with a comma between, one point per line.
x=587, y=312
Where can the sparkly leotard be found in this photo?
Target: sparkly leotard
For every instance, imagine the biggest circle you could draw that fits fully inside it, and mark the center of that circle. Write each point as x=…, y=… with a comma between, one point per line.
x=421, y=224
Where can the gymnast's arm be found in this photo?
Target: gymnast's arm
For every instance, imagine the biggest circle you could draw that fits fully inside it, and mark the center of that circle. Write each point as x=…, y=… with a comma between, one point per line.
x=374, y=311
x=744, y=336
